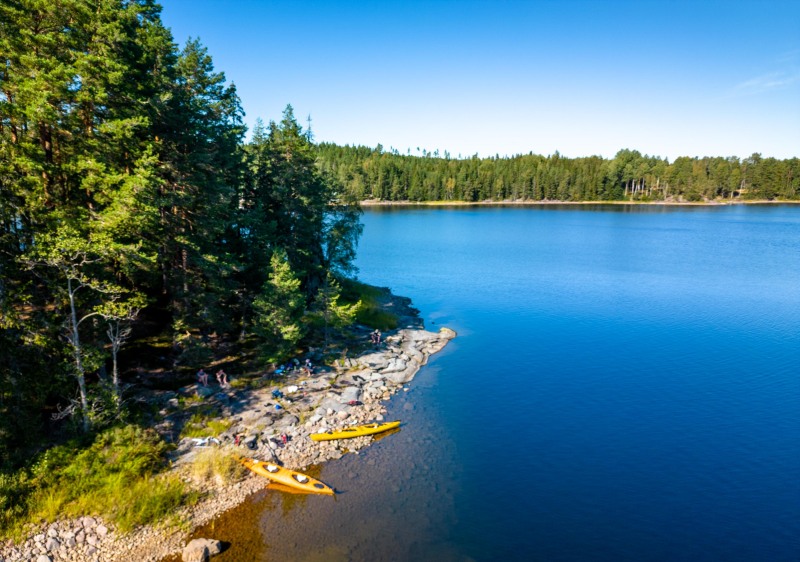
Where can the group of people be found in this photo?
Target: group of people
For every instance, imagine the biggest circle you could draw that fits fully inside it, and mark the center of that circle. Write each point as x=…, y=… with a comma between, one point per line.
x=375, y=337
x=293, y=365
x=222, y=378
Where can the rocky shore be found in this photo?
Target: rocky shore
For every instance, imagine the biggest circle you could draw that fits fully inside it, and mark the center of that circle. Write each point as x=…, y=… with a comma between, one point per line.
x=263, y=426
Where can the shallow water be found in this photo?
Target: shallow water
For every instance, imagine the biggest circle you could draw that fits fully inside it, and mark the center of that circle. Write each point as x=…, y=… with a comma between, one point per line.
x=625, y=386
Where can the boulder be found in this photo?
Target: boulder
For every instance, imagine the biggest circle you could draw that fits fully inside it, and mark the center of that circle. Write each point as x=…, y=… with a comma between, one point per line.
x=195, y=552
x=349, y=394
x=375, y=361
x=214, y=547
x=286, y=421
x=204, y=391
x=330, y=403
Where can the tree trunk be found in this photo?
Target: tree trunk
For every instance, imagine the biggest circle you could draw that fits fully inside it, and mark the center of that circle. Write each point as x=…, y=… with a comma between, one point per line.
x=77, y=351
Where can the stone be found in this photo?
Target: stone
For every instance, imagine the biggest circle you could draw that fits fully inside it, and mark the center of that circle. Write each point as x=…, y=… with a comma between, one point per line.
x=91, y=551
x=342, y=415
x=70, y=542
x=38, y=538
x=200, y=550
x=52, y=531
x=44, y=558
x=80, y=537
x=349, y=394
x=52, y=544
x=101, y=531
x=395, y=365
x=333, y=404
x=205, y=391
x=214, y=546
x=92, y=540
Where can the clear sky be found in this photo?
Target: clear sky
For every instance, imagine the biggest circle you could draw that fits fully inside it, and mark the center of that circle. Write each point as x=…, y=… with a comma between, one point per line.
x=667, y=78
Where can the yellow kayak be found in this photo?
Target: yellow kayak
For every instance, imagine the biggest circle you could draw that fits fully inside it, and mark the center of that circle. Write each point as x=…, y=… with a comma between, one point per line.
x=357, y=431
x=287, y=477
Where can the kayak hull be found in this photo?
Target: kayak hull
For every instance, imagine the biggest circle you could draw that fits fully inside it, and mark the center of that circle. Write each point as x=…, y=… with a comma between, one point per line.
x=357, y=431
x=288, y=477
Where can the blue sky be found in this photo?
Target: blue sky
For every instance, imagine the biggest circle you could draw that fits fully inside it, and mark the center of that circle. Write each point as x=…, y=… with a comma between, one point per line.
x=667, y=78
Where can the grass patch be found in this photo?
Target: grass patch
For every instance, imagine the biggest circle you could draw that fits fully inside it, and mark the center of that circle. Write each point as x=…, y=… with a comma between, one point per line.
x=205, y=424
x=116, y=477
x=217, y=464
x=371, y=312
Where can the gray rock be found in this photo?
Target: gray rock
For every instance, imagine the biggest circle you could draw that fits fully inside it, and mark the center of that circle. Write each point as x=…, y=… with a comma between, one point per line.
x=80, y=537
x=90, y=551
x=92, y=540
x=374, y=361
x=44, y=558
x=395, y=365
x=101, y=531
x=214, y=546
x=52, y=544
x=205, y=391
x=350, y=393
x=70, y=542
x=195, y=554
x=286, y=421
x=334, y=404
x=402, y=377
x=52, y=531
x=39, y=538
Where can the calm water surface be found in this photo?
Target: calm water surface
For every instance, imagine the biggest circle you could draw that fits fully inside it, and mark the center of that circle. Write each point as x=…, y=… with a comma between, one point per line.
x=625, y=386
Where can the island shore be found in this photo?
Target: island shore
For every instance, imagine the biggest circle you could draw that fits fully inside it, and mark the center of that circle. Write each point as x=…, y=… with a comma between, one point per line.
x=350, y=392
x=529, y=203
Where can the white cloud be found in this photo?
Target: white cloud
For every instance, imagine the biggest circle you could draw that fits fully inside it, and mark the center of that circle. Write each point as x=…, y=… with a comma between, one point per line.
x=767, y=83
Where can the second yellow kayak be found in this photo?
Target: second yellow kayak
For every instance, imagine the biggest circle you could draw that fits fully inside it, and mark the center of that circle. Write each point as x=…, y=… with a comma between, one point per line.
x=288, y=477
x=357, y=431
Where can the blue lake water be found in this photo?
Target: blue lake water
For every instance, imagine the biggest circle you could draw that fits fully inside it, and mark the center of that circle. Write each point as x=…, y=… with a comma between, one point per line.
x=625, y=385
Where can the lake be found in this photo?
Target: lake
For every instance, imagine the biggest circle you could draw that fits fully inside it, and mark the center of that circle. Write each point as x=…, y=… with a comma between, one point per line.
x=625, y=385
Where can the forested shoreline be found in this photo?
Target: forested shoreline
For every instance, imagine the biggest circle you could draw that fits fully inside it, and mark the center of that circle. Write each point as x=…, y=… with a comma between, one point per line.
x=378, y=174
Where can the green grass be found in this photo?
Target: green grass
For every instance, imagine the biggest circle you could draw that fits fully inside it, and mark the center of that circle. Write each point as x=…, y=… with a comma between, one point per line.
x=115, y=477
x=370, y=313
x=203, y=423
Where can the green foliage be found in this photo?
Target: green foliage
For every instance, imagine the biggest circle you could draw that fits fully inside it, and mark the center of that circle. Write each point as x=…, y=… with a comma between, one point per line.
x=278, y=310
x=202, y=424
x=327, y=310
x=114, y=477
x=371, y=312
x=369, y=173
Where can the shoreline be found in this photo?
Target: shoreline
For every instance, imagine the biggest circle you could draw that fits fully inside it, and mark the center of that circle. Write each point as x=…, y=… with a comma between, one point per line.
x=529, y=203
x=350, y=392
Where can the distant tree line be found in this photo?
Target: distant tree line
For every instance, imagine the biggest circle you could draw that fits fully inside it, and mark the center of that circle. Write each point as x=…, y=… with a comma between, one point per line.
x=374, y=173
x=131, y=210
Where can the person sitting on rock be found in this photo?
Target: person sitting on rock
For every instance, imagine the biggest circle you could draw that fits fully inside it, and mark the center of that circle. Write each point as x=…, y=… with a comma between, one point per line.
x=202, y=377
x=222, y=378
